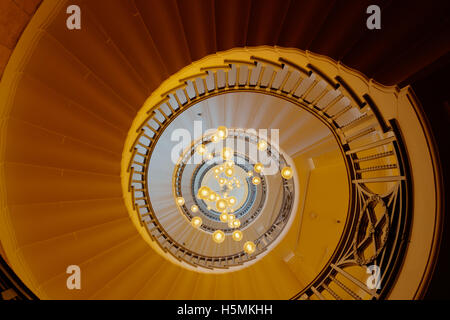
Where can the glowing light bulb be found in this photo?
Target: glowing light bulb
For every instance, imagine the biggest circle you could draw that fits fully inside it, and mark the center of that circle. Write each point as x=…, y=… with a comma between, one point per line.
x=201, y=149
x=229, y=172
x=232, y=201
x=210, y=156
x=250, y=173
x=287, y=173
x=203, y=192
x=256, y=180
x=220, y=168
x=224, y=216
x=258, y=167
x=237, y=235
x=231, y=217
x=222, y=181
x=218, y=236
x=216, y=170
x=180, y=201
x=227, y=153
x=222, y=132
x=221, y=204
x=194, y=208
x=196, y=222
x=249, y=247
x=215, y=138
x=212, y=197
x=236, y=223
x=262, y=145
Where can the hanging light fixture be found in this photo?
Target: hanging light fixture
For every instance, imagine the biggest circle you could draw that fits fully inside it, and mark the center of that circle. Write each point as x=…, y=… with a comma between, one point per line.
x=212, y=196
x=231, y=201
x=287, y=173
x=180, y=201
x=258, y=167
x=201, y=149
x=224, y=216
x=235, y=223
x=256, y=180
x=215, y=138
x=227, y=153
x=237, y=235
x=222, y=132
x=229, y=172
x=218, y=236
x=196, y=222
x=221, y=204
x=249, y=247
x=228, y=175
x=224, y=174
x=203, y=193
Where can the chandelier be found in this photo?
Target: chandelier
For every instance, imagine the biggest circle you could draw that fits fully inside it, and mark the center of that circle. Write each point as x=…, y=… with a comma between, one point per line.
x=222, y=192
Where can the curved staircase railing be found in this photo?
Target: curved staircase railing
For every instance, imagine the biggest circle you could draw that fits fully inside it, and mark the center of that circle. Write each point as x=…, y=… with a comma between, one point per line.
x=11, y=287
x=363, y=136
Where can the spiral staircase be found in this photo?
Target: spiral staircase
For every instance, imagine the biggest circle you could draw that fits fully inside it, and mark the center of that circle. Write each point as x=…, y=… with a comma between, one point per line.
x=86, y=177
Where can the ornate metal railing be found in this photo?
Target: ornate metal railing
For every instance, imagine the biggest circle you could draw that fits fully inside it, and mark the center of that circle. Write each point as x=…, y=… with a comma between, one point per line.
x=362, y=134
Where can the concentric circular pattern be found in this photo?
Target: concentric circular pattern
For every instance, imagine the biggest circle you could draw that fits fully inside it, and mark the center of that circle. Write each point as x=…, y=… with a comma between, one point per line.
x=203, y=175
x=250, y=198
x=217, y=178
x=214, y=189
